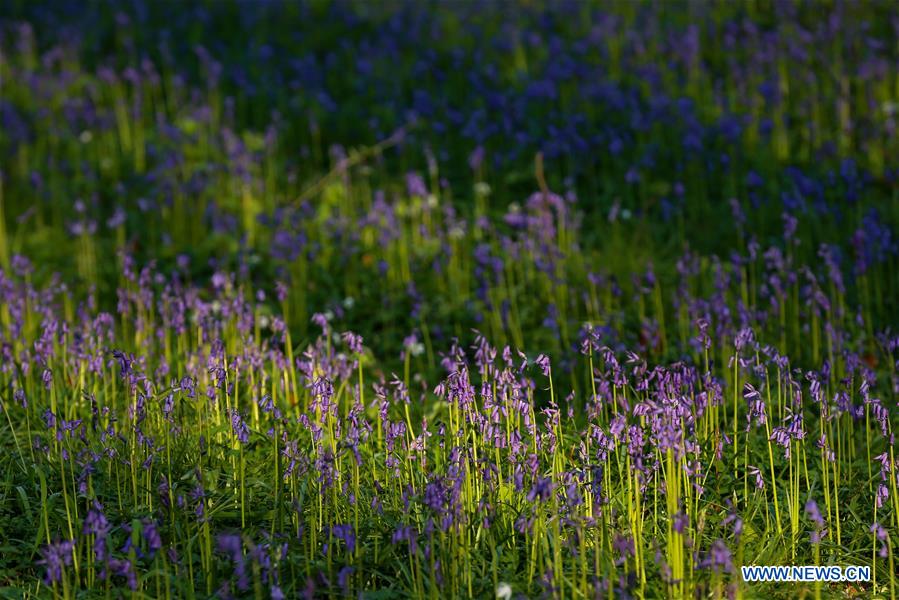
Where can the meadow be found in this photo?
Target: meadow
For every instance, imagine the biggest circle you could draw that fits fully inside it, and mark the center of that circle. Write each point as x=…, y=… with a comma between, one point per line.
x=408, y=300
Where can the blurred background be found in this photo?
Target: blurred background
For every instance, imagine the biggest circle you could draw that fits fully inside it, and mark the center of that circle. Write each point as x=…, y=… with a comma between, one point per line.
x=378, y=160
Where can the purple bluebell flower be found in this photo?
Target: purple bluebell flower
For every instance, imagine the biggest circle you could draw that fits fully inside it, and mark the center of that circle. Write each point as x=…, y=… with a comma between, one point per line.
x=718, y=558
x=542, y=361
x=239, y=427
x=54, y=557
x=151, y=537
x=232, y=546
x=353, y=341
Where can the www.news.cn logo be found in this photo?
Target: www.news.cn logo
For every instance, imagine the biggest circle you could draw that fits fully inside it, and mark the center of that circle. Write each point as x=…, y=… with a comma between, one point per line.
x=805, y=573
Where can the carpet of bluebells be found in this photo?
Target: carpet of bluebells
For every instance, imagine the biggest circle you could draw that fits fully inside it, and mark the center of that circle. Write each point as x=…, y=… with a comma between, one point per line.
x=404, y=300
